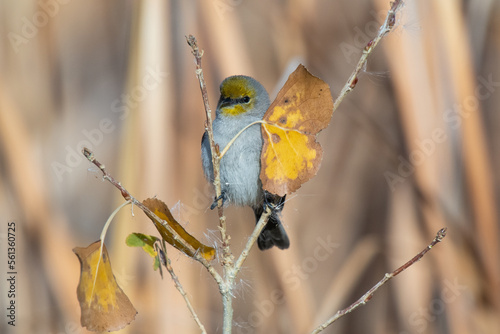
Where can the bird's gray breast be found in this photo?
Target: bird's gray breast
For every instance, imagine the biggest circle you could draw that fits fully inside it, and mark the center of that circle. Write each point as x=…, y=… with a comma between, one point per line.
x=240, y=166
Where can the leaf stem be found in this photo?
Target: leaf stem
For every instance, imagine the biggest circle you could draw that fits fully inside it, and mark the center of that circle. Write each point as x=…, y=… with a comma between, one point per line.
x=110, y=218
x=236, y=136
x=102, y=237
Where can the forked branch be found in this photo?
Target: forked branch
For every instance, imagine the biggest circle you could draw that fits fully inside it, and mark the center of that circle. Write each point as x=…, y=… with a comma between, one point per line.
x=127, y=196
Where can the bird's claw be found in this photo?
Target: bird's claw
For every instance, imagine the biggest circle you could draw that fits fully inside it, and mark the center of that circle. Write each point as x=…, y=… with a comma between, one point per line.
x=274, y=202
x=217, y=199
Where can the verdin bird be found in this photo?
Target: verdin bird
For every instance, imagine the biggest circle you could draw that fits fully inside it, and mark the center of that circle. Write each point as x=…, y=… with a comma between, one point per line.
x=243, y=100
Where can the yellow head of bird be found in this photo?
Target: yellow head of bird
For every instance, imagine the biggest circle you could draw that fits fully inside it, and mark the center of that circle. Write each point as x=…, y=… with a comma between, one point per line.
x=240, y=94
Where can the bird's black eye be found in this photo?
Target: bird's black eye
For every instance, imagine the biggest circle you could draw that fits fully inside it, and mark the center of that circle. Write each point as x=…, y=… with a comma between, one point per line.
x=246, y=99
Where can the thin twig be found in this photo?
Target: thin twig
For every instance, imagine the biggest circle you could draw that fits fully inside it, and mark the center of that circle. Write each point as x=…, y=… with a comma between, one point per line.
x=183, y=293
x=225, y=288
x=230, y=275
x=251, y=241
x=386, y=27
x=369, y=294
x=126, y=194
x=214, y=149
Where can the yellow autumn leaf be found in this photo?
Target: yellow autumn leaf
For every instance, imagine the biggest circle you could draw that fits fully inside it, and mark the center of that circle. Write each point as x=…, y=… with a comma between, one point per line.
x=104, y=305
x=161, y=210
x=290, y=154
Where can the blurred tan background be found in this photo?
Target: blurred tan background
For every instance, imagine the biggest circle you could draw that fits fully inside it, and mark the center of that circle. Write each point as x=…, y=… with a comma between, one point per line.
x=412, y=149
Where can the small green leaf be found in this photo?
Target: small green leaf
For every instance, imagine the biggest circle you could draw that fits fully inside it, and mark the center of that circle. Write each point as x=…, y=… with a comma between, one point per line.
x=133, y=240
x=142, y=240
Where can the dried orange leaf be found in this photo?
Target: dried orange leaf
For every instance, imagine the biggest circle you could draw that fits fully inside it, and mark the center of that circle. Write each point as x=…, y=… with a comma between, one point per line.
x=104, y=305
x=290, y=154
x=161, y=210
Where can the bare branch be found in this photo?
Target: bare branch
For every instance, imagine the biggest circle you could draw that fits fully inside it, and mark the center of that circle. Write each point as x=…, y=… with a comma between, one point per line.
x=126, y=194
x=225, y=288
x=386, y=27
x=369, y=294
x=181, y=290
x=251, y=241
x=214, y=149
